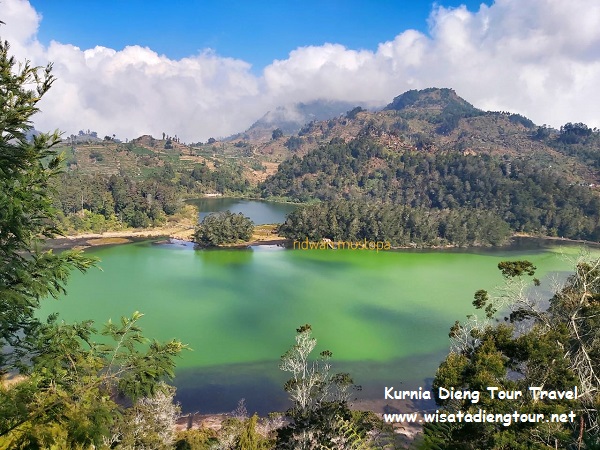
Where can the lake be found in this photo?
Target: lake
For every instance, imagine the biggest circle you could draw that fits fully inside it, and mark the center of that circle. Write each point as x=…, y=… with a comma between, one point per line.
x=261, y=212
x=385, y=316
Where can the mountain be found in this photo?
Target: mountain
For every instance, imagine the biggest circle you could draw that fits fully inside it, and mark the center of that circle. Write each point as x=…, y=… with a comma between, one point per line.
x=438, y=120
x=431, y=149
x=291, y=118
x=433, y=99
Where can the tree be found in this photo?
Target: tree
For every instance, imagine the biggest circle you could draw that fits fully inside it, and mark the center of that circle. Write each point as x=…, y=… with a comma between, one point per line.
x=294, y=143
x=66, y=397
x=555, y=347
x=26, y=274
x=71, y=394
x=319, y=417
x=354, y=112
x=250, y=439
x=277, y=134
x=223, y=228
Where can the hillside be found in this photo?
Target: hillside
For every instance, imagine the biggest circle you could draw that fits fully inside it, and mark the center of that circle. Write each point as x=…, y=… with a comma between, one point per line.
x=431, y=149
x=430, y=121
x=438, y=120
x=291, y=118
x=427, y=149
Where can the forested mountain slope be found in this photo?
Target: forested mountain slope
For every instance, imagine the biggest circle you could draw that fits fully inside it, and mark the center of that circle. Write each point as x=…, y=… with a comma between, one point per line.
x=431, y=149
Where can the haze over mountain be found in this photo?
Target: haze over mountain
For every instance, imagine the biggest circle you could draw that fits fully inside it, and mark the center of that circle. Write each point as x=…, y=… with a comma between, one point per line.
x=290, y=118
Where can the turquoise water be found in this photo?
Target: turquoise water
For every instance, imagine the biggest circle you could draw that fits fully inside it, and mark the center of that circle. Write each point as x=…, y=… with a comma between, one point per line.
x=385, y=316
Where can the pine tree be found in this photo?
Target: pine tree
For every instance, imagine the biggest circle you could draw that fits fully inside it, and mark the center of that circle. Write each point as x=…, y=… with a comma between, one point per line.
x=66, y=395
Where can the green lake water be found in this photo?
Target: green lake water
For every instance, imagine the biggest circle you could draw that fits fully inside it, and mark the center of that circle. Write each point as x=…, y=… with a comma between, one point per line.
x=385, y=316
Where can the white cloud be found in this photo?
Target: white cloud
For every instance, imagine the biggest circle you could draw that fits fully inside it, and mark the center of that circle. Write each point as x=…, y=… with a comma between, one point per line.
x=540, y=58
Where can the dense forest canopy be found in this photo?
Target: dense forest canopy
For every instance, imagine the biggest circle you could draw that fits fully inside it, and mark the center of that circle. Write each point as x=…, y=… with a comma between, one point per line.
x=97, y=202
x=223, y=228
x=519, y=191
x=358, y=220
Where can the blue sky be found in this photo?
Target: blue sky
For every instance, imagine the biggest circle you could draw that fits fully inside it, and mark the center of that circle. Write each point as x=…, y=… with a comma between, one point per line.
x=255, y=31
x=133, y=67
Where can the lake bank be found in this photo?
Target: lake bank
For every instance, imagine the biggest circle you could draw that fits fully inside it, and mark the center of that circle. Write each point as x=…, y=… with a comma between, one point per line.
x=267, y=235
x=262, y=235
x=265, y=214
x=181, y=226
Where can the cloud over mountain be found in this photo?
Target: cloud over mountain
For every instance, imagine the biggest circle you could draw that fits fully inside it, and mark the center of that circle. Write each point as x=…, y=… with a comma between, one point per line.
x=540, y=58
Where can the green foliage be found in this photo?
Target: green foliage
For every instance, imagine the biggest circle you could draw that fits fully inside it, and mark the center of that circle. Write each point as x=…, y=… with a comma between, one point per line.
x=576, y=140
x=556, y=348
x=518, y=118
x=294, y=143
x=319, y=417
x=196, y=439
x=98, y=156
x=26, y=274
x=250, y=439
x=354, y=112
x=511, y=269
x=66, y=398
x=71, y=385
x=573, y=133
x=438, y=436
x=223, y=228
x=528, y=196
x=358, y=220
x=96, y=203
x=126, y=200
x=223, y=179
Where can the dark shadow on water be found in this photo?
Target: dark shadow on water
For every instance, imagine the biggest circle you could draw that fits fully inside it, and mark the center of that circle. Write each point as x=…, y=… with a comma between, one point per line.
x=212, y=390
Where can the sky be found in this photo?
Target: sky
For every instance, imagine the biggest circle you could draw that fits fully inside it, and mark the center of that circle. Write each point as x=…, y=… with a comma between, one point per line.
x=201, y=69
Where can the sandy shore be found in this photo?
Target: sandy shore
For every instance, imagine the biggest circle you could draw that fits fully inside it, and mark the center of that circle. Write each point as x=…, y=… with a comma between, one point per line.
x=86, y=240
x=263, y=235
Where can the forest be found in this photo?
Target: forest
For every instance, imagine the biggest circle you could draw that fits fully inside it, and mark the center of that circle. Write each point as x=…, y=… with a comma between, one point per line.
x=402, y=226
x=528, y=197
x=100, y=202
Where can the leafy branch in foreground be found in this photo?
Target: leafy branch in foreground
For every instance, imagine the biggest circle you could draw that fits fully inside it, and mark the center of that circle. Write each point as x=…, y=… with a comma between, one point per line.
x=27, y=274
x=554, y=346
x=77, y=387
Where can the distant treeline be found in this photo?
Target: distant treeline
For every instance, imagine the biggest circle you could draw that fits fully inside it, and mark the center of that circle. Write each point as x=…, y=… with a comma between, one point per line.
x=100, y=202
x=528, y=197
x=576, y=140
x=356, y=220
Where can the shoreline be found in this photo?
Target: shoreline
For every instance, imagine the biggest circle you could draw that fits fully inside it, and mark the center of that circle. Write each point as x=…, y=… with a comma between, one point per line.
x=185, y=233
